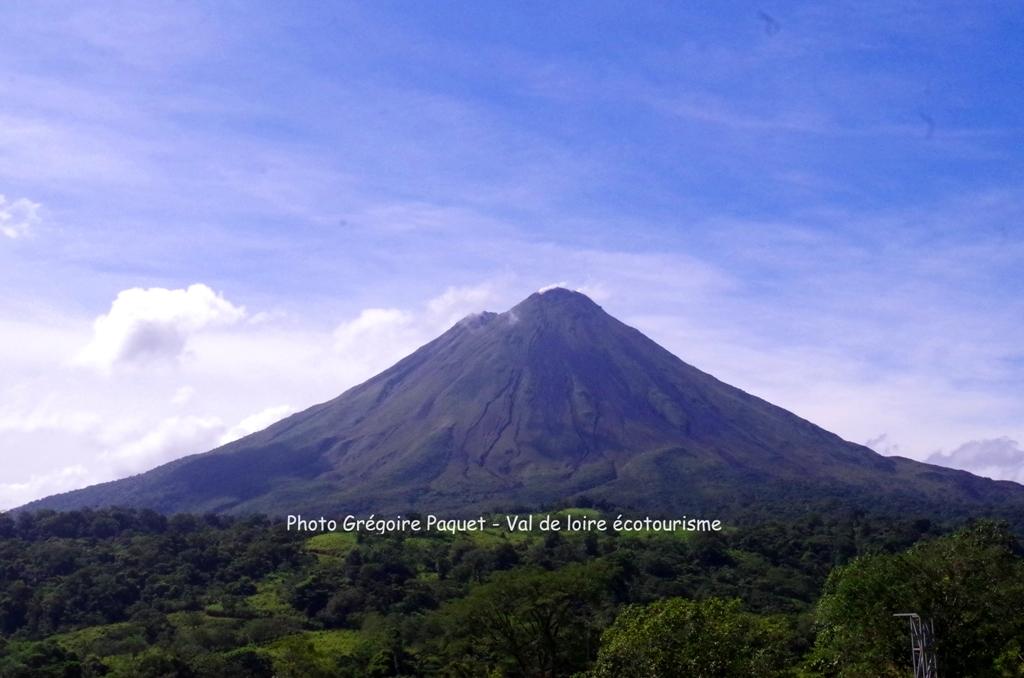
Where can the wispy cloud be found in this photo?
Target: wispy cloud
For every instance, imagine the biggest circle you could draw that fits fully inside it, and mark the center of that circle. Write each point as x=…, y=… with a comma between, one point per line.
x=255, y=422
x=18, y=217
x=999, y=458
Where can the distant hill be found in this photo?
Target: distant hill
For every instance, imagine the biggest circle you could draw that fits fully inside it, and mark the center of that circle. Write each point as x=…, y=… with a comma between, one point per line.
x=552, y=400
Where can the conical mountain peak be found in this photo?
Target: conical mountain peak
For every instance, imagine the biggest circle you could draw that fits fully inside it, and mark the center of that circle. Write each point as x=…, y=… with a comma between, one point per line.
x=556, y=298
x=551, y=306
x=550, y=400
x=556, y=307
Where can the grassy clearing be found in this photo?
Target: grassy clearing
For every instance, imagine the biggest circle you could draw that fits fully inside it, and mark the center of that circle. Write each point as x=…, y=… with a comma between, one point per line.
x=575, y=512
x=331, y=544
x=314, y=649
x=106, y=639
x=335, y=642
x=268, y=600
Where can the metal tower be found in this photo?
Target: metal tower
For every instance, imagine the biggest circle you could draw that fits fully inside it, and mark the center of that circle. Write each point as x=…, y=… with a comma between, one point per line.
x=922, y=646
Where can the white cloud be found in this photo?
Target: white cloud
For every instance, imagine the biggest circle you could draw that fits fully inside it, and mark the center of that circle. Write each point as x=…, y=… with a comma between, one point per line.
x=169, y=439
x=999, y=458
x=379, y=337
x=182, y=395
x=373, y=327
x=155, y=323
x=177, y=436
x=255, y=422
x=883, y=445
x=112, y=449
x=42, y=418
x=42, y=485
x=375, y=339
x=17, y=217
x=457, y=302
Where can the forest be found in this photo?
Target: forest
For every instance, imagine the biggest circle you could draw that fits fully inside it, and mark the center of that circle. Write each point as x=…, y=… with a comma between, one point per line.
x=120, y=592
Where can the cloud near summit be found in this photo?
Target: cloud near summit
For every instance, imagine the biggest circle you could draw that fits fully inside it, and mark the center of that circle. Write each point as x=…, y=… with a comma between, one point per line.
x=377, y=337
x=143, y=325
x=998, y=458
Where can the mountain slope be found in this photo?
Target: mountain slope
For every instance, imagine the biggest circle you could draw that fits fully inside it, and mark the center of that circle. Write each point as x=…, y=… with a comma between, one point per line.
x=547, y=401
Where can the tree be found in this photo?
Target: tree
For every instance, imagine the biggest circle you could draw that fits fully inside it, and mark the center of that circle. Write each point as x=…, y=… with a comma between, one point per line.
x=680, y=637
x=247, y=663
x=45, y=659
x=529, y=622
x=970, y=584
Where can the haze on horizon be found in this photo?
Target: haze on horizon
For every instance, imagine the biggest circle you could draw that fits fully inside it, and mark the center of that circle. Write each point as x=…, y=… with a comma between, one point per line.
x=213, y=215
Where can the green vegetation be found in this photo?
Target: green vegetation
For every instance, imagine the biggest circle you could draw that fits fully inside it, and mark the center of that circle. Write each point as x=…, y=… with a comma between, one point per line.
x=133, y=593
x=676, y=636
x=971, y=584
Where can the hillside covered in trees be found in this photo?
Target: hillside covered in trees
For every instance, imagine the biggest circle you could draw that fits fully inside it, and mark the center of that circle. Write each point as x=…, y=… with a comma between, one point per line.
x=133, y=593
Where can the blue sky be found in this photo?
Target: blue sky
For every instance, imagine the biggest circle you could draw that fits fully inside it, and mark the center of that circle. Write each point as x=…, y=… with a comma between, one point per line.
x=818, y=203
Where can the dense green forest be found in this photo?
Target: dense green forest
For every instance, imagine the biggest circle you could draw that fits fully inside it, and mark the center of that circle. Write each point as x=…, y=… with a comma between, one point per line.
x=134, y=593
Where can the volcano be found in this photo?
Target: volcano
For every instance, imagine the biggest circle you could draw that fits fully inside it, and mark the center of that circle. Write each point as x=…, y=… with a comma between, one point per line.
x=553, y=401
